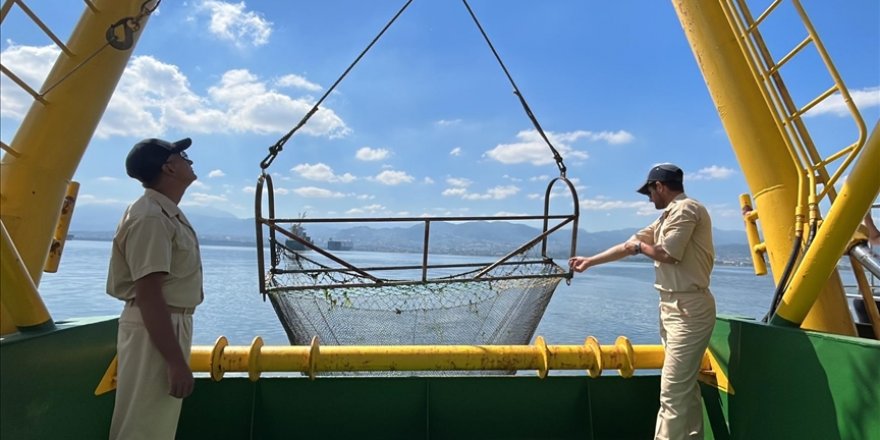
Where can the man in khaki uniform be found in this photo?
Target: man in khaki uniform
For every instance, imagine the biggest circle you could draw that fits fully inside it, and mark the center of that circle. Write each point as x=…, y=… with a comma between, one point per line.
x=680, y=243
x=156, y=268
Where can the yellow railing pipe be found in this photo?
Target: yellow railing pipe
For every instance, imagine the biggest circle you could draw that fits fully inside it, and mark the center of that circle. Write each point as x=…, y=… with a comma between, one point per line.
x=757, y=249
x=256, y=358
x=833, y=236
x=867, y=295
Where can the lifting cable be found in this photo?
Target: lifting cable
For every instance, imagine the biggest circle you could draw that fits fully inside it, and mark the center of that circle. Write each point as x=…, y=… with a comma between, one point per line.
x=275, y=149
x=278, y=146
x=556, y=156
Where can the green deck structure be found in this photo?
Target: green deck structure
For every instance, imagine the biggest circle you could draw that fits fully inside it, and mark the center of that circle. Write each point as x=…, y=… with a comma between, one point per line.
x=788, y=383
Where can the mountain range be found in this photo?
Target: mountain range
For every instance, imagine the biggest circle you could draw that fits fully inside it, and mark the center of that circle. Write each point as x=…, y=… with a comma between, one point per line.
x=468, y=238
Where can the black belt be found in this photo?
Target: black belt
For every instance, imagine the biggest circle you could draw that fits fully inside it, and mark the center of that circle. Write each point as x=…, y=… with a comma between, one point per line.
x=171, y=309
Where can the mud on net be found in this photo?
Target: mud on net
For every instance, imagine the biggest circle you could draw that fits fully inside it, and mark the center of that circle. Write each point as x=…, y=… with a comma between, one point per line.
x=341, y=306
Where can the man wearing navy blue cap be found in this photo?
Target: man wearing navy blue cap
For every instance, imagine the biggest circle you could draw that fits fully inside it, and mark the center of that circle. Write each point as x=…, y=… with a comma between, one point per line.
x=156, y=268
x=680, y=244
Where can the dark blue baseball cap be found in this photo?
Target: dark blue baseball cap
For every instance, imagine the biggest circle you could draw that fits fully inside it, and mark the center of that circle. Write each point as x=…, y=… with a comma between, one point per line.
x=665, y=172
x=145, y=160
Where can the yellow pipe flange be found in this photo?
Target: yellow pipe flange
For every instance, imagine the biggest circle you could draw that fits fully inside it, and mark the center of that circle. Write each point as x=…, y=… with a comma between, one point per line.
x=313, y=356
x=545, y=354
x=216, y=356
x=593, y=344
x=254, y=359
x=625, y=352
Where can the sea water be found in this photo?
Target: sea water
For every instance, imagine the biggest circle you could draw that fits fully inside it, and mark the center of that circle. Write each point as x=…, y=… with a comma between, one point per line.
x=606, y=301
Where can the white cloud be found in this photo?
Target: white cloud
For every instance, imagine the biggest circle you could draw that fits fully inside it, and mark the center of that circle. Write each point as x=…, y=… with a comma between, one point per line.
x=315, y=192
x=603, y=204
x=107, y=179
x=31, y=64
x=458, y=182
x=298, y=82
x=863, y=98
x=428, y=181
x=253, y=108
x=455, y=151
x=541, y=178
x=233, y=23
x=612, y=137
x=646, y=209
x=200, y=185
x=154, y=98
x=510, y=214
x=533, y=149
x=90, y=199
x=203, y=199
x=216, y=173
x=321, y=172
x=713, y=172
x=371, y=154
x=502, y=192
x=724, y=210
x=365, y=197
x=496, y=193
x=369, y=209
x=454, y=192
x=448, y=122
x=249, y=190
x=559, y=190
x=390, y=177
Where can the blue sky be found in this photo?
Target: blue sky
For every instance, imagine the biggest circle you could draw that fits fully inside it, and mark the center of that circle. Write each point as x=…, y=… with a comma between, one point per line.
x=426, y=124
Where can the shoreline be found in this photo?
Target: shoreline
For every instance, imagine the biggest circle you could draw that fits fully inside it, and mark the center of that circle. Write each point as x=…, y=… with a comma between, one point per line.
x=207, y=241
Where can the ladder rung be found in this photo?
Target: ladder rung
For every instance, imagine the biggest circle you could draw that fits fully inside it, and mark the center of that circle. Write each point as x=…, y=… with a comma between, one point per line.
x=41, y=25
x=816, y=101
x=22, y=84
x=791, y=54
x=9, y=149
x=754, y=25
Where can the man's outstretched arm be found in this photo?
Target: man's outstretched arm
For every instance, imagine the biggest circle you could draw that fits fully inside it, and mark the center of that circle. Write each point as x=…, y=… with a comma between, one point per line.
x=614, y=253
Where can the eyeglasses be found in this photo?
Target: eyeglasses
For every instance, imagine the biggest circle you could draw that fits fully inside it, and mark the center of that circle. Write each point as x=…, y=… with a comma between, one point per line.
x=183, y=156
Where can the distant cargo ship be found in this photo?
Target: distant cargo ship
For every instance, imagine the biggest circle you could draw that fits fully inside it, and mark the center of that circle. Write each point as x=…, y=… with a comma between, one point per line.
x=339, y=245
x=294, y=245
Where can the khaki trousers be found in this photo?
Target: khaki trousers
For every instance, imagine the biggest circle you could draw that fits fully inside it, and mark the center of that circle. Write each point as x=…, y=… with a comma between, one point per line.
x=144, y=409
x=686, y=323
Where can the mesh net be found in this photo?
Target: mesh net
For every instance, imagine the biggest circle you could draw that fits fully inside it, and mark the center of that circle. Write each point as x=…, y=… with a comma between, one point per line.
x=343, y=307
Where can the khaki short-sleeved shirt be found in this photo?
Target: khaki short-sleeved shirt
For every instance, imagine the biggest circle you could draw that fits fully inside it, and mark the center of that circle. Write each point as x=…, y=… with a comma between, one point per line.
x=684, y=230
x=155, y=236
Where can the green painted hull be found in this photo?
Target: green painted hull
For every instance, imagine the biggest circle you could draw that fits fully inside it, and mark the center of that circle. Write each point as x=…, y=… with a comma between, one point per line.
x=788, y=384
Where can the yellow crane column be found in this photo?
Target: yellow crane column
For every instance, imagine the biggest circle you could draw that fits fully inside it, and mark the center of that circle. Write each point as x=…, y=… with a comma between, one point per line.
x=760, y=148
x=33, y=181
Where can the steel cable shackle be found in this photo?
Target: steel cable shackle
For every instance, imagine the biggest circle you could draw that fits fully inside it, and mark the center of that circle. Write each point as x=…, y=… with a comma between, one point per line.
x=556, y=156
x=275, y=149
x=130, y=25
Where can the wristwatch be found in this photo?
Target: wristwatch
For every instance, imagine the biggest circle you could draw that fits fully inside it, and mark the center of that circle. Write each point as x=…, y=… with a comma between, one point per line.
x=639, y=248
